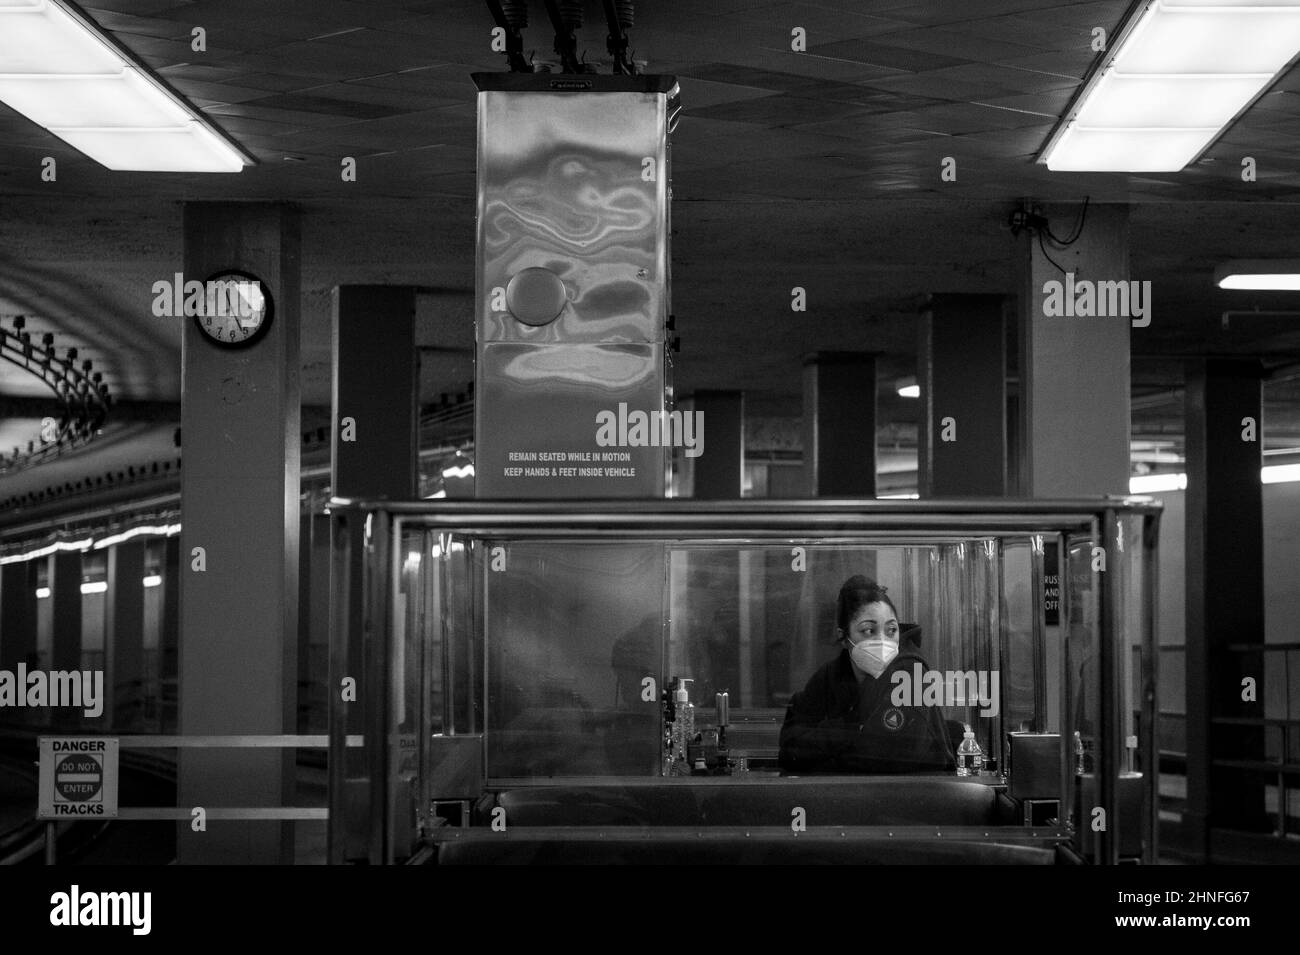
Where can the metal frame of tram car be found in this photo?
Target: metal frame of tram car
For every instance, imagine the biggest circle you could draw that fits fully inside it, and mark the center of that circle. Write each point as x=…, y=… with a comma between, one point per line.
x=433, y=762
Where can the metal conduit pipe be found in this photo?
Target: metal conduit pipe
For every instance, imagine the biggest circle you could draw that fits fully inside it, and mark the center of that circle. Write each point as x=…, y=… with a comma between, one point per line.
x=512, y=16
x=571, y=13
x=516, y=13
x=566, y=44
x=619, y=16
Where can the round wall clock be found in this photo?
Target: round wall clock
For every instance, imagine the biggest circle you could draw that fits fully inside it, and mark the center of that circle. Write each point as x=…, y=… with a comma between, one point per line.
x=236, y=309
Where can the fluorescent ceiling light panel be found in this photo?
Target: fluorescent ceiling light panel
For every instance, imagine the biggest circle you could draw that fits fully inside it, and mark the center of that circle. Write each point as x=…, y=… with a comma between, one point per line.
x=1174, y=81
x=1126, y=150
x=46, y=40
x=56, y=547
x=1162, y=102
x=1280, y=473
x=1271, y=275
x=1155, y=483
x=1273, y=283
x=1176, y=39
x=126, y=100
x=190, y=148
x=59, y=71
x=154, y=530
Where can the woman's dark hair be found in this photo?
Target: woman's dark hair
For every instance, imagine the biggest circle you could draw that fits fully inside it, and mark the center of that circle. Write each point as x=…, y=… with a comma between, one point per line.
x=857, y=592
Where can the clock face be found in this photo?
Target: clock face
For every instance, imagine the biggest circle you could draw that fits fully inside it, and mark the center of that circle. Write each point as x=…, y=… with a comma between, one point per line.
x=236, y=309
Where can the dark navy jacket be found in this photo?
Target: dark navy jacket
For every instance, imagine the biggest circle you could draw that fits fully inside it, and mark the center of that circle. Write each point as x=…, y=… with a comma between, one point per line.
x=835, y=726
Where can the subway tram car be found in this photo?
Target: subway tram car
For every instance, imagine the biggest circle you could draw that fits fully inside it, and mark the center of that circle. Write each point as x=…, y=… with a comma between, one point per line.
x=617, y=681
x=572, y=668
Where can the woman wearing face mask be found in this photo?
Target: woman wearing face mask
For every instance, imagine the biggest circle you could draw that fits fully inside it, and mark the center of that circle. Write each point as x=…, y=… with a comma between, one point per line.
x=844, y=721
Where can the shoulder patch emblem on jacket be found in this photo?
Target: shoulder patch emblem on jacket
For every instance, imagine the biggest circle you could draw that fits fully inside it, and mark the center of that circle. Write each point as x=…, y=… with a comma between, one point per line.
x=893, y=719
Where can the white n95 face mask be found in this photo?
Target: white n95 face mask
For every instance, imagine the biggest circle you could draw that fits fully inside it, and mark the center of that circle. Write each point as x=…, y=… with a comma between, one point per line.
x=874, y=655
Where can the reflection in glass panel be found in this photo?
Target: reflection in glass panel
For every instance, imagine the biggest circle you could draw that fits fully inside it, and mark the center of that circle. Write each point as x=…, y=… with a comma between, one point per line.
x=1024, y=708
x=573, y=632
x=583, y=640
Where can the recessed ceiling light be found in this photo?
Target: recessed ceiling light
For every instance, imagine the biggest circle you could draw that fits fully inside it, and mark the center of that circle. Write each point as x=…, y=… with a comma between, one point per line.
x=60, y=71
x=1178, y=74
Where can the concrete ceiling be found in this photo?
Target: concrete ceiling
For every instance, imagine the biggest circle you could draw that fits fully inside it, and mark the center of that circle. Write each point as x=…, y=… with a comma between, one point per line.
x=819, y=169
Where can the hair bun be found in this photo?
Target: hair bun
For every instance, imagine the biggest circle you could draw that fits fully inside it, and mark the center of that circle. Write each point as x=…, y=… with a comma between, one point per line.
x=858, y=591
x=858, y=581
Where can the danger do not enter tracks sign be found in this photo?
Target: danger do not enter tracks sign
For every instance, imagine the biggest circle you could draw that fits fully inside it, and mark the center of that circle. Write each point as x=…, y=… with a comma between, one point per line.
x=78, y=778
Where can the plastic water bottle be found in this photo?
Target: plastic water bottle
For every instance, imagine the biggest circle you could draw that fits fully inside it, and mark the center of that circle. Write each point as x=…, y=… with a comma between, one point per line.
x=970, y=758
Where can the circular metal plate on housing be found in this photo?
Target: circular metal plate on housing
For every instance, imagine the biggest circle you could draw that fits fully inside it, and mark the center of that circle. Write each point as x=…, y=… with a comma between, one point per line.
x=536, y=296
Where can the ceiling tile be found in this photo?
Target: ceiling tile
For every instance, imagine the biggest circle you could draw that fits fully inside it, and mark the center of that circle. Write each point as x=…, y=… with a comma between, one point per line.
x=223, y=92
x=938, y=12
x=1051, y=103
x=125, y=27
x=879, y=54
x=958, y=45
x=698, y=93
x=138, y=8
x=782, y=110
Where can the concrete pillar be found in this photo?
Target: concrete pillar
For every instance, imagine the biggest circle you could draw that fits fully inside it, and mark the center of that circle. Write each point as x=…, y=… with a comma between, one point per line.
x=17, y=614
x=719, y=472
x=961, y=368
x=124, y=635
x=1015, y=454
x=376, y=373
x=376, y=368
x=313, y=620
x=1074, y=371
x=240, y=415
x=1225, y=594
x=839, y=418
x=169, y=639
x=65, y=593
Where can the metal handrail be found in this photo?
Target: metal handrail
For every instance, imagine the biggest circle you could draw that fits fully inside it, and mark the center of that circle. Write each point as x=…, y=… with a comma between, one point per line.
x=1281, y=767
x=178, y=813
x=854, y=510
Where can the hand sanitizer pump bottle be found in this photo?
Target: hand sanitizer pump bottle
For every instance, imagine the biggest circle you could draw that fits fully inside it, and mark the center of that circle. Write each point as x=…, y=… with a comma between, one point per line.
x=683, y=727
